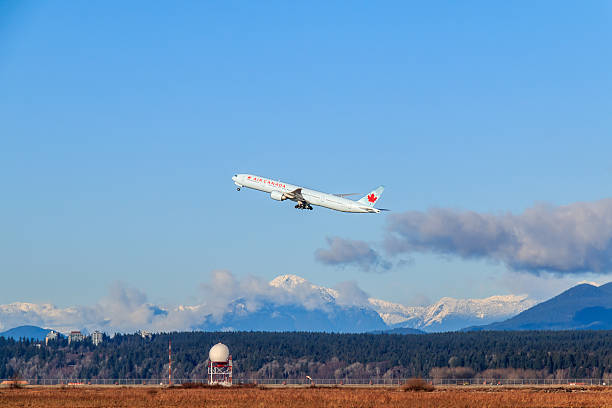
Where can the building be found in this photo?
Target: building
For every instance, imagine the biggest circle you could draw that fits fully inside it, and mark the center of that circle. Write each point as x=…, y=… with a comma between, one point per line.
x=97, y=337
x=52, y=335
x=75, y=336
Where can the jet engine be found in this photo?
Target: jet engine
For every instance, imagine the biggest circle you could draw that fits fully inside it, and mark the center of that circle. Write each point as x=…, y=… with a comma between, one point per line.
x=277, y=195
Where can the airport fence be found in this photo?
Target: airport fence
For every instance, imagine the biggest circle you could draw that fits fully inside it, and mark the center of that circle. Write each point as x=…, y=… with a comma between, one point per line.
x=314, y=381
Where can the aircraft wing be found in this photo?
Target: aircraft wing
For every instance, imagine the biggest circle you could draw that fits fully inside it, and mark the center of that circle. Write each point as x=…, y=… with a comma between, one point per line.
x=296, y=195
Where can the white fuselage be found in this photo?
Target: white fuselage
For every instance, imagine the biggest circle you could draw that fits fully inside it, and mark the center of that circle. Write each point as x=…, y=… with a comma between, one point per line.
x=313, y=197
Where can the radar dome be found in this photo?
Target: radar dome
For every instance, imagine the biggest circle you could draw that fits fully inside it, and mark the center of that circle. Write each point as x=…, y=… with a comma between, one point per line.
x=219, y=353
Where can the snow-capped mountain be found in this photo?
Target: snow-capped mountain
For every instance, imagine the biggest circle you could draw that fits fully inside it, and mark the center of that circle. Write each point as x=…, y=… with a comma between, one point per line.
x=450, y=314
x=286, y=303
x=292, y=283
x=447, y=314
x=395, y=314
x=294, y=304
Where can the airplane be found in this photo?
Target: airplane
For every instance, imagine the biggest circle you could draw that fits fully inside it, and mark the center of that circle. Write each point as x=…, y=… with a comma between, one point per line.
x=306, y=198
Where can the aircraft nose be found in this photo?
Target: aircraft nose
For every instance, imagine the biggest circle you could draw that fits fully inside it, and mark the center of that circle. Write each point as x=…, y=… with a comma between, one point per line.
x=235, y=177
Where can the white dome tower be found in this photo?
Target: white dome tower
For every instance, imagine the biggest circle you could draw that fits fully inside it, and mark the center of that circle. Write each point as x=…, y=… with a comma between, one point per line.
x=219, y=353
x=220, y=367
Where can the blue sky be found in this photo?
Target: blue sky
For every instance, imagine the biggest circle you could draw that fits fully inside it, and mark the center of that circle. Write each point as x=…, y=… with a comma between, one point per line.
x=122, y=123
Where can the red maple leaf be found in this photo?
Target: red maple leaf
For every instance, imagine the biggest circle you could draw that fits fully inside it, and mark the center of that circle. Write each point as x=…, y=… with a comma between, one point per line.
x=372, y=198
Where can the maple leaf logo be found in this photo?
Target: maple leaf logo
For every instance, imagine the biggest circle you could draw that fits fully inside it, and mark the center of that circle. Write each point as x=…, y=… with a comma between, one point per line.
x=372, y=198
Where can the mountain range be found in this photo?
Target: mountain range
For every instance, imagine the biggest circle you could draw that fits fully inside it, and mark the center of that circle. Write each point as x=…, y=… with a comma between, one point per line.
x=581, y=307
x=291, y=303
x=447, y=314
x=371, y=315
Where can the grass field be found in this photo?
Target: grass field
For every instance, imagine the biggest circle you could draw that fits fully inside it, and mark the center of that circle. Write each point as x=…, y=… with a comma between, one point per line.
x=291, y=397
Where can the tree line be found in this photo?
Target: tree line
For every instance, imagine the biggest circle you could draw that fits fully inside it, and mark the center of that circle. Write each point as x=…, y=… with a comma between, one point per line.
x=524, y=354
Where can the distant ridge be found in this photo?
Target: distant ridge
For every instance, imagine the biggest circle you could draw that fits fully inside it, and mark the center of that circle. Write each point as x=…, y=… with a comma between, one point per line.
x=399, y=330
x=26, y=332
x=582, y=307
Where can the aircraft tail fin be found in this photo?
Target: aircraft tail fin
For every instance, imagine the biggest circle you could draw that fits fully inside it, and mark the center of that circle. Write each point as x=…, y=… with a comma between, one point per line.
x=372, y=197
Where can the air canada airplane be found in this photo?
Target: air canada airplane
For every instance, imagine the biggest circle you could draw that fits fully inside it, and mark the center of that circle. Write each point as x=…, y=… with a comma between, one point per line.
x=306, y=198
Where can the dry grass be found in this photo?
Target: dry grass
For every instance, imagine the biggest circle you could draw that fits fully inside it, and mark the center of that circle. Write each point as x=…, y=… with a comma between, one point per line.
x=416, y=385
x=292, y=397
x=191, y=385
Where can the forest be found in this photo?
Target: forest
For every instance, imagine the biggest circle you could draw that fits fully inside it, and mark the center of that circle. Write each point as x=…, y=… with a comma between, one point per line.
x=494, y=354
